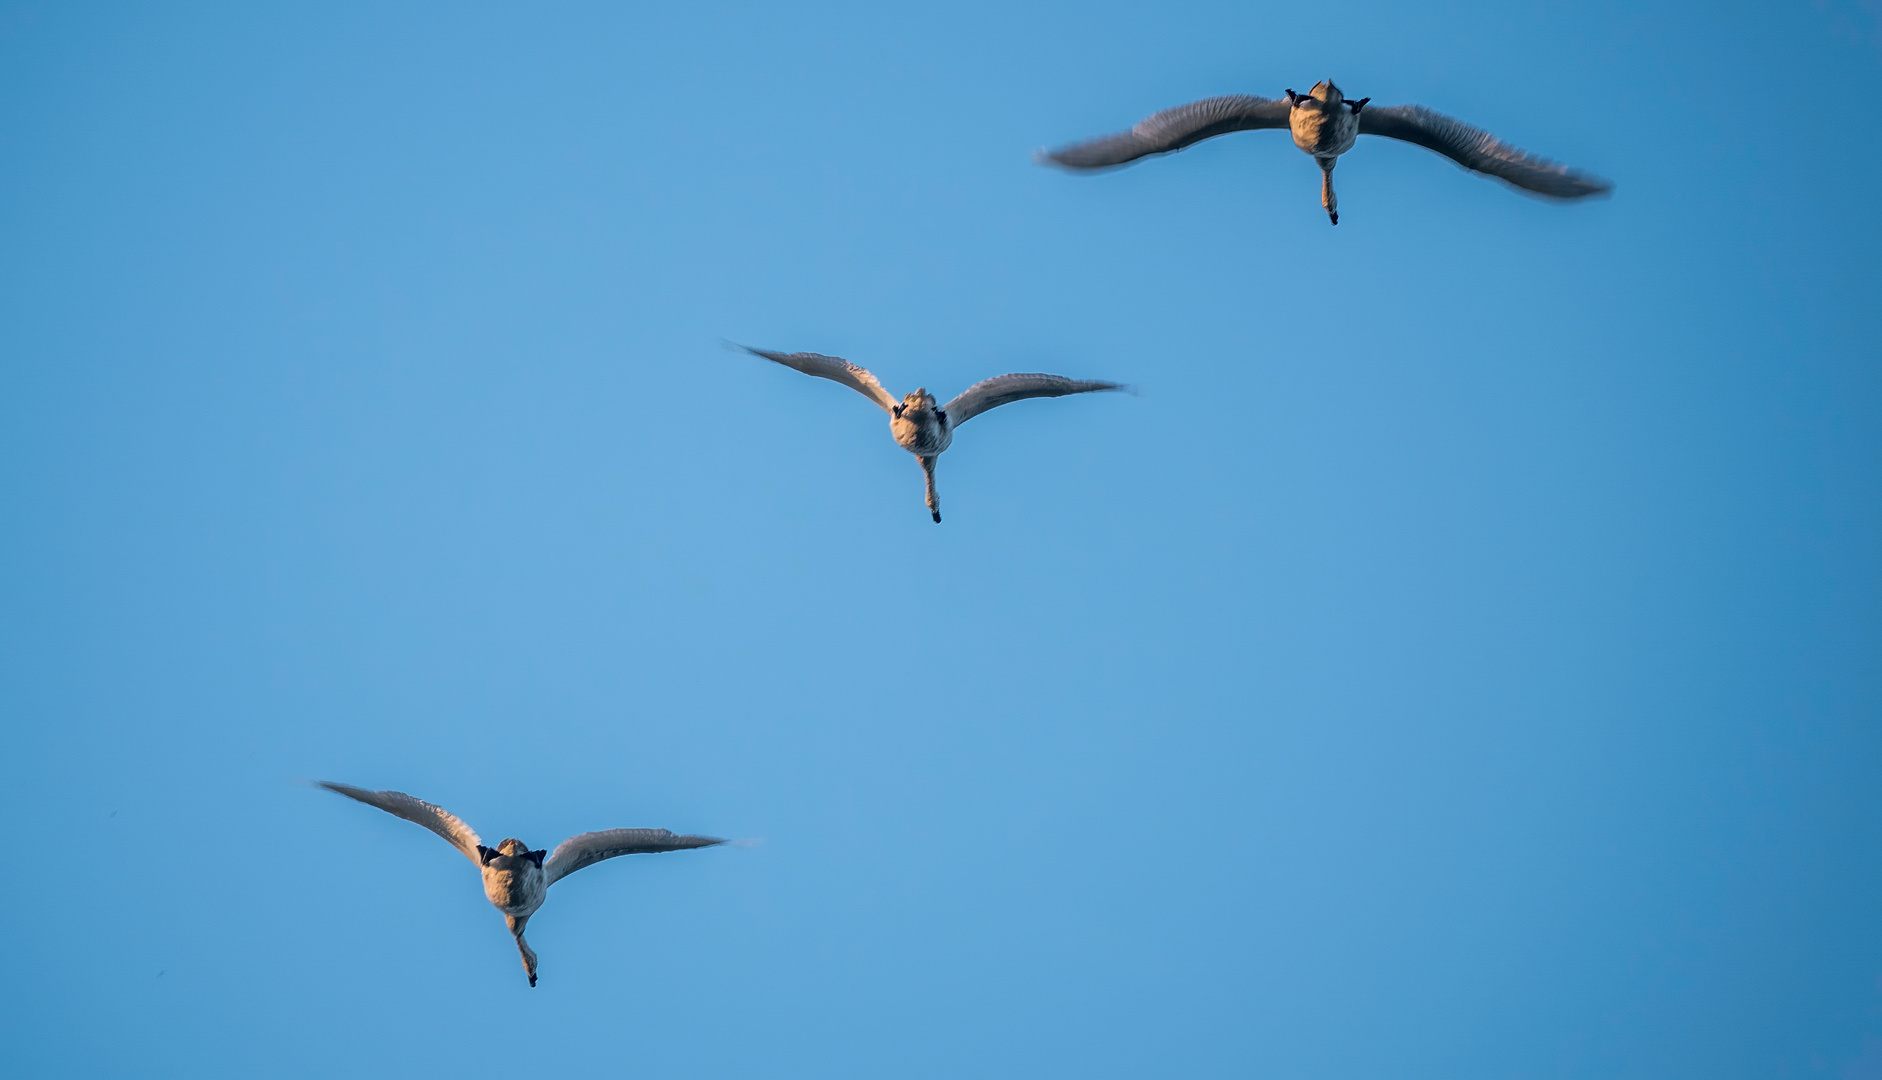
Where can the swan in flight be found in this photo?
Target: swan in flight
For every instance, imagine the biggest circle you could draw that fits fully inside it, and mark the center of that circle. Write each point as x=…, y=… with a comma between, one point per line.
x=920, y=426
x=1325, y=124
x=517, y=879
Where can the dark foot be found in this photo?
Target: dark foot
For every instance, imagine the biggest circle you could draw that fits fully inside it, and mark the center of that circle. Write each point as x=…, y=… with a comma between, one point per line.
x=532, y=980
x=1333, y=216
x=937, y=516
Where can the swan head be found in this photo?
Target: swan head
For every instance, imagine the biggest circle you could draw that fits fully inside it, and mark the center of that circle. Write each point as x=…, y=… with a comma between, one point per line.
x=509, y=855
x=919, y=401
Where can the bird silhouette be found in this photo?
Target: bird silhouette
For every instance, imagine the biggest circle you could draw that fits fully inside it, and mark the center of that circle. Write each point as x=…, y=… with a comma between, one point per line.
x=919, y=425
x=516, y=879
x=1325, y=125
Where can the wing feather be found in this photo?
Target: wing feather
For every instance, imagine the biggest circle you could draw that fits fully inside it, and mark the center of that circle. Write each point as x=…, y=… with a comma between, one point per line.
x=1002, y=389
x=590, y=848
x=417, y=811
x=1479, y=151
x=1171, y=130
x=834, y=368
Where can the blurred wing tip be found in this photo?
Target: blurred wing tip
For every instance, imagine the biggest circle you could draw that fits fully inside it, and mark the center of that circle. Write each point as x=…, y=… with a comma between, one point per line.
x=357, y=794
x=745, y=842
x=1598, y=186
x=1580, y=186
x=1061, y=160
x=1052, y=159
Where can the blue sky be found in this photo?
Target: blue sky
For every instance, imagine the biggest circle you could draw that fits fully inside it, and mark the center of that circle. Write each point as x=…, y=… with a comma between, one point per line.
x=1460, y=660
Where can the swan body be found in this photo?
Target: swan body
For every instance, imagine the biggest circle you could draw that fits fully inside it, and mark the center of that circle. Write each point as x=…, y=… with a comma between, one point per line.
x=1319, y=126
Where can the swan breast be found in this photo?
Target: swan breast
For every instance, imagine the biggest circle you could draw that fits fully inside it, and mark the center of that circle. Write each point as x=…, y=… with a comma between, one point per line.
x=923, y=436
x=517, y=892
x=1323, y=132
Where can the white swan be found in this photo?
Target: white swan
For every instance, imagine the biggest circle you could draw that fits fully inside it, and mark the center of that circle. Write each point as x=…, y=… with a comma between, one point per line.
x=517, y=879
x=919, y=426
x=1325, y=125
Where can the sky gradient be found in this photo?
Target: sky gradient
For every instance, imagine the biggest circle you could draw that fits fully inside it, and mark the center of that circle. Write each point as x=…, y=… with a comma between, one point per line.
x=1460, y=659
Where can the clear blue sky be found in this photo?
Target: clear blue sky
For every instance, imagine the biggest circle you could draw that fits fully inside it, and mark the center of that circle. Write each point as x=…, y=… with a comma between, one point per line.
x=1462, y=660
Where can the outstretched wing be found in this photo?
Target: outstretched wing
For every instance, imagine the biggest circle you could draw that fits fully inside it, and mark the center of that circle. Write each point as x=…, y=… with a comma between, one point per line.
x=417, y=811
x=1172, y=129
x=834, y=368
x=1479, y=151
x=1001, y=389
x=591, y=847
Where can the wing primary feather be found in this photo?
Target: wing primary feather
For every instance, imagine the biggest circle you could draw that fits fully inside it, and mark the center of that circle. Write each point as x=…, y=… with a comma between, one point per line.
x=1479, y=151
x=1018, y=386
x=587, y=849
x=418, y=812
x=834, y=368
x=1171, y=130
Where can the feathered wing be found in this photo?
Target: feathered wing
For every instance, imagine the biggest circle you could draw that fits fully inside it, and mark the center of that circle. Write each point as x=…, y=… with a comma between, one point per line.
x=834, y=368
x=417, y=811
x=1479, y=151
x=1172, y=129
x=1001, y=389
x=590, y=848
